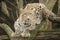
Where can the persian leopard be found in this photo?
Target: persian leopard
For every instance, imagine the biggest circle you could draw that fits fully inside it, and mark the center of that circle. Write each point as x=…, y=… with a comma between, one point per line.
x=30, y=16
x=27, y=20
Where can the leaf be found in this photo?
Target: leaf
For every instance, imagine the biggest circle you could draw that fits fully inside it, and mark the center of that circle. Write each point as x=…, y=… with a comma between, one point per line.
x=4, y=9
x=7, y=29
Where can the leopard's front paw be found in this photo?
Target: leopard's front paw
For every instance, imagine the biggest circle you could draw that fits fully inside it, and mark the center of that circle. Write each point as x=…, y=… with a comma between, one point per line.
x=25, y=34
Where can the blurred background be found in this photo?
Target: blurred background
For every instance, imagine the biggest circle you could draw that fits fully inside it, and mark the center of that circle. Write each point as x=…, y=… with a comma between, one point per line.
x=9, y=12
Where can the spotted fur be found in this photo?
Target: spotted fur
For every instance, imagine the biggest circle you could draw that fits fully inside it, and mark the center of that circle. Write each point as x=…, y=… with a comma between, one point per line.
x=30, y=17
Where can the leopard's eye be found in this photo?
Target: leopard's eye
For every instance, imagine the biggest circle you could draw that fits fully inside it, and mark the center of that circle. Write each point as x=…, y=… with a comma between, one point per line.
x=32, y=8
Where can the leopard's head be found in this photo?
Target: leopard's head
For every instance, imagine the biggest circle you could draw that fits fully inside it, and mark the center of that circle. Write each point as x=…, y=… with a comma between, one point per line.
x=30, y=18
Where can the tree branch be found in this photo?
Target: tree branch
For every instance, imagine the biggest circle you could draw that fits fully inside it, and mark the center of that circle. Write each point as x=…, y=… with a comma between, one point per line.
x=54, y=19
x=7, y=29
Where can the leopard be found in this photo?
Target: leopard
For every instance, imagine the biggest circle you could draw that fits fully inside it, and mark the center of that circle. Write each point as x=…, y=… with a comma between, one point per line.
x=31, y=16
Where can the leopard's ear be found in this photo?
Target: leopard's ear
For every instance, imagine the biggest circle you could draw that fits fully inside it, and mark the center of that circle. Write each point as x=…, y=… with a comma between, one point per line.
x=27, y=6
x=41, y=5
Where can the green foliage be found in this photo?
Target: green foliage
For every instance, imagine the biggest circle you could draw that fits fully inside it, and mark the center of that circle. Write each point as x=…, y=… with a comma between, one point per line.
x=43, y=27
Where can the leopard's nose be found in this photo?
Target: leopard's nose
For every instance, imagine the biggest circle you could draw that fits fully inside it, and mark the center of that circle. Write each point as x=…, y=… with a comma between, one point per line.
x=27, y=20
x=25, y=23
